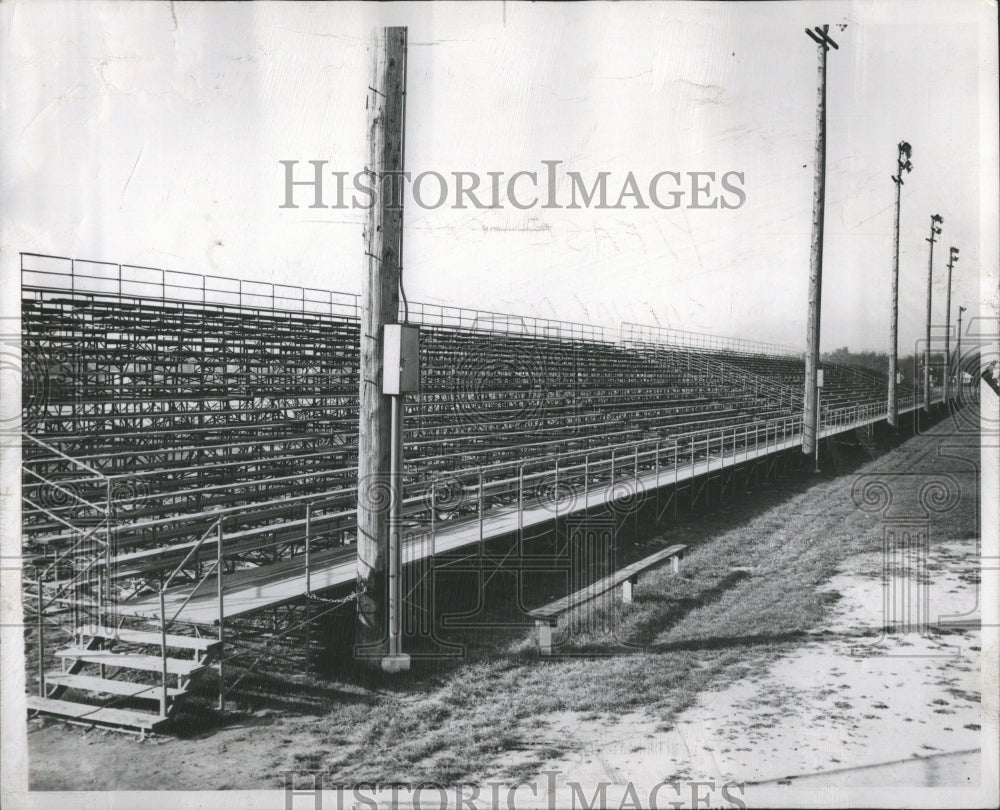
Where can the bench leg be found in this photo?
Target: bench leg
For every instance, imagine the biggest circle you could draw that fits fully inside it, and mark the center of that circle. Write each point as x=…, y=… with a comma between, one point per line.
x=544, y=631
x=627, y=586
x=675, y=563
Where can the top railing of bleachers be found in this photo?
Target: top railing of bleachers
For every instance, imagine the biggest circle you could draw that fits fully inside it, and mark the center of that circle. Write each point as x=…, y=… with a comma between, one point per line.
x=45, y=273
x=636, y=333
x=485, y=321
x=110, y=280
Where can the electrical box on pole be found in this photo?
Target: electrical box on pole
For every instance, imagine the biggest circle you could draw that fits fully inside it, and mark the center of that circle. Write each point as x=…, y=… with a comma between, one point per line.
x=401, y=359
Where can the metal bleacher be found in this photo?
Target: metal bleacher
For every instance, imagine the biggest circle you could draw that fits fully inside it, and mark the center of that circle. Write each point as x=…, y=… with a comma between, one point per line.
x=173, y=421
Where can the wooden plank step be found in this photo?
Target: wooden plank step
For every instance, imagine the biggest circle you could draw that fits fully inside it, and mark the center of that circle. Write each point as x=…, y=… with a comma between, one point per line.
x=147, y=663
x=84, y=712
x=148, y=637
x=552, y=611
x=108, y=686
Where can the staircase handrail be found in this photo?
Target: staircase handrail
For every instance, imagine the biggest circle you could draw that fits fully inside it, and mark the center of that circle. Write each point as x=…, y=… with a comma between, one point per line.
x=215, y=527
x=194, y=548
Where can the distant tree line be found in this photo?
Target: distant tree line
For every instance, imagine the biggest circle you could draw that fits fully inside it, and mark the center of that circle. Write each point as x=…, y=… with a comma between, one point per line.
x=879, y=361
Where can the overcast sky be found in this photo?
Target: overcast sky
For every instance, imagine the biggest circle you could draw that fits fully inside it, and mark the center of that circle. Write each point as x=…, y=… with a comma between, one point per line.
x=152, y=134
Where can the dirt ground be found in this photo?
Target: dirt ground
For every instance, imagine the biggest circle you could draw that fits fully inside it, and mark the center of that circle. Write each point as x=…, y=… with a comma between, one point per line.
x=764, y=662
x=841, y=703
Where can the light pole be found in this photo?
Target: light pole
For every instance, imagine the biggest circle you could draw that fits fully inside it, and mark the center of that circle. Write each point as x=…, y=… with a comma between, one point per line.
x=903, y=164
x=952, y=258
x=810, y=415
x=958, y=355
x=936, y=221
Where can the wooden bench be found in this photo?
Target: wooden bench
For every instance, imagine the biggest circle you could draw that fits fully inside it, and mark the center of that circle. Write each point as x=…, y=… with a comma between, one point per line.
x=547, y=617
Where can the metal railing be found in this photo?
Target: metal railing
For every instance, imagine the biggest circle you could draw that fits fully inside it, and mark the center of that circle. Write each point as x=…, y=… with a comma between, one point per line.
x=88, y=521
x=90, y=525
x=642, y=333
x=852, y=415
x=504, y=323
x=685, y=449
x=216, y=566
x=45, y=273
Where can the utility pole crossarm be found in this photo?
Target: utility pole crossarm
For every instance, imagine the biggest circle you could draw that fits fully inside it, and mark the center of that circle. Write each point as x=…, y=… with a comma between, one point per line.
x=820, y=37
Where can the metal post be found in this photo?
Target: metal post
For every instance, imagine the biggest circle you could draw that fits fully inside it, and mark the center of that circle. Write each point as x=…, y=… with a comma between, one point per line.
x=395, y=525
x=902, y=165
x=676, y=474
x=100, y=599
x=520, y=501
x=635, y=484
x=433, y=517
x=811, y=411
x=656, y=468
x=308, y=588
x=163, y=653
x=936, y=221
x=41, y=640
x=746, y=444
x=555, y=496
x=108, y=537
x=756, y=451
x=222, y=615
x=816, y=454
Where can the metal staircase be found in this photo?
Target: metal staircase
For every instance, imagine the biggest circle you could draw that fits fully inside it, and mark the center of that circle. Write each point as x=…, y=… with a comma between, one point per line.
x=105, y=678
x=131, y=678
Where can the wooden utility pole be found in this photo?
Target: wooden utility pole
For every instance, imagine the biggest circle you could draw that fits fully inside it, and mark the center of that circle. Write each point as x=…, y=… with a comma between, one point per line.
x=379, y=306
x=958, y=357
x=810, y=416
x=902, y=165
x=936, y=221
x=952, y=258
